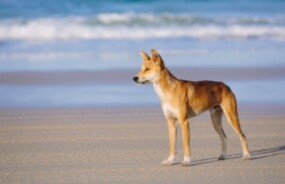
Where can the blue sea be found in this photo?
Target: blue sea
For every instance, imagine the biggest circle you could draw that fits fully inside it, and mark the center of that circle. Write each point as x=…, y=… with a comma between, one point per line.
x=44, y=37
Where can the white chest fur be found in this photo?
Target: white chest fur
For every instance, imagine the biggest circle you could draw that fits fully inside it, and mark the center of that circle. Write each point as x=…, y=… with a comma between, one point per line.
x=168, y=109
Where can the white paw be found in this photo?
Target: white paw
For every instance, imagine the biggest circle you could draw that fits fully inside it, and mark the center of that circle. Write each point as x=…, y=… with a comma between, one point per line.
x=186, y=161
x=167, y=162
x=246, y=157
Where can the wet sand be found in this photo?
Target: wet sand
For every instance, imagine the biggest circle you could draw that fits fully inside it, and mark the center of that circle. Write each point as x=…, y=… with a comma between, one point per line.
x=126, y=145
x=126, y=75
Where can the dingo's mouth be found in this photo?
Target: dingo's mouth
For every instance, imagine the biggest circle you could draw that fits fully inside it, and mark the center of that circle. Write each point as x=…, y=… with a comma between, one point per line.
x=136, y=79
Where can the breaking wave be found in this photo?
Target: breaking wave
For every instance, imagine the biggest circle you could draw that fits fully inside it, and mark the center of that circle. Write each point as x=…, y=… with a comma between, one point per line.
x=142, y=26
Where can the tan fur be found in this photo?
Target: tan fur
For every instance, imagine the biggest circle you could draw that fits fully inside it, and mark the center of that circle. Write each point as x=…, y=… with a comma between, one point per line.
x=181, y=100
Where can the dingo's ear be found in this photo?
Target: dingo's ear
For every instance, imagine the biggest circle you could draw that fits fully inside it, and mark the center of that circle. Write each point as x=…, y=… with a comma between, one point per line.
x=144, y=55
x=156, y=57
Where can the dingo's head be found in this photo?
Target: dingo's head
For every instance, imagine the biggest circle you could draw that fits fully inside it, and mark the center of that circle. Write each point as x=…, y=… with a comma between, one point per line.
x=150, y=68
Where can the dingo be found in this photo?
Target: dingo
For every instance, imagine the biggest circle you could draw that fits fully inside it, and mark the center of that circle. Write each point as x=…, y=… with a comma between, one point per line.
x=181, y=99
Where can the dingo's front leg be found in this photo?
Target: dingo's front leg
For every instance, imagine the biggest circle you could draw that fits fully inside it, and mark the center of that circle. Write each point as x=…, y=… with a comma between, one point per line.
x=186, y=142
x=171, y=123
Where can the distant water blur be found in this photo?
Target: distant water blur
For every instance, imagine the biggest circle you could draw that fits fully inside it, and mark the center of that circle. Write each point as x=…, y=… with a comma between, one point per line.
x=84, y=35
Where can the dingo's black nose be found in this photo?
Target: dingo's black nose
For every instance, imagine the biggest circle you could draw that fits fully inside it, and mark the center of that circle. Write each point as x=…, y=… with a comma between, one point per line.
x=136, y=79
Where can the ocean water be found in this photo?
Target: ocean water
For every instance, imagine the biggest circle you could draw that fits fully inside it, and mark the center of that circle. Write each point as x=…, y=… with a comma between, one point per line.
x=84, y=35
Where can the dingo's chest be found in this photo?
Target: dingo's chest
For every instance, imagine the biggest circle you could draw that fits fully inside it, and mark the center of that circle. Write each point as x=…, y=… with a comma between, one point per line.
x=168, y=109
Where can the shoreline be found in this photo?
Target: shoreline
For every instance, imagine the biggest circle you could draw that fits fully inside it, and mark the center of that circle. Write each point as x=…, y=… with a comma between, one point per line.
x=115, y=88
x=80, y=77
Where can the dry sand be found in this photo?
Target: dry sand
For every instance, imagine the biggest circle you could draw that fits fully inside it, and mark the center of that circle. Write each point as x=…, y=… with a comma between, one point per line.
x=127, y=145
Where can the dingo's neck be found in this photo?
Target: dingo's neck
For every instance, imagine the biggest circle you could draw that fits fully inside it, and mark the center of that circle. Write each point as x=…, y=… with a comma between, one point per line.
x=164, y=83
x=166, y=79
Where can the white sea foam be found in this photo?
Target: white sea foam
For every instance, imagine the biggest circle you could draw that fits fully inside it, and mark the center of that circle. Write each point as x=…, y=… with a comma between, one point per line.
x=142, y=26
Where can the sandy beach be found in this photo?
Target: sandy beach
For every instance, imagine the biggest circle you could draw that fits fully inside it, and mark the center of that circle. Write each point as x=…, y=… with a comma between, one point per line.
x=126, y=145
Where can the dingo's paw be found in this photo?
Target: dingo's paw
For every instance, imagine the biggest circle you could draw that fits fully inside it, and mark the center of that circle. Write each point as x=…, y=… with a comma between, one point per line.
x=246, y=157
x=186, y=162
x=167, y=162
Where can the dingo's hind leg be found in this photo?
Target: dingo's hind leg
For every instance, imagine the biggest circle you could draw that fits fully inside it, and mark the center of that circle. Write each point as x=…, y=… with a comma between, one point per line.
x=229, y=107
x=216, y=116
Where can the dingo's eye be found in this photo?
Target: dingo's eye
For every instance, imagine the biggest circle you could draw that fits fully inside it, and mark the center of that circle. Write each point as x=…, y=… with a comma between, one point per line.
x=147, y=69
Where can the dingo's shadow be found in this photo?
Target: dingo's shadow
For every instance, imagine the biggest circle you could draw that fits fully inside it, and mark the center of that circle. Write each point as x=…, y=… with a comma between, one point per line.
x=258, y=154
